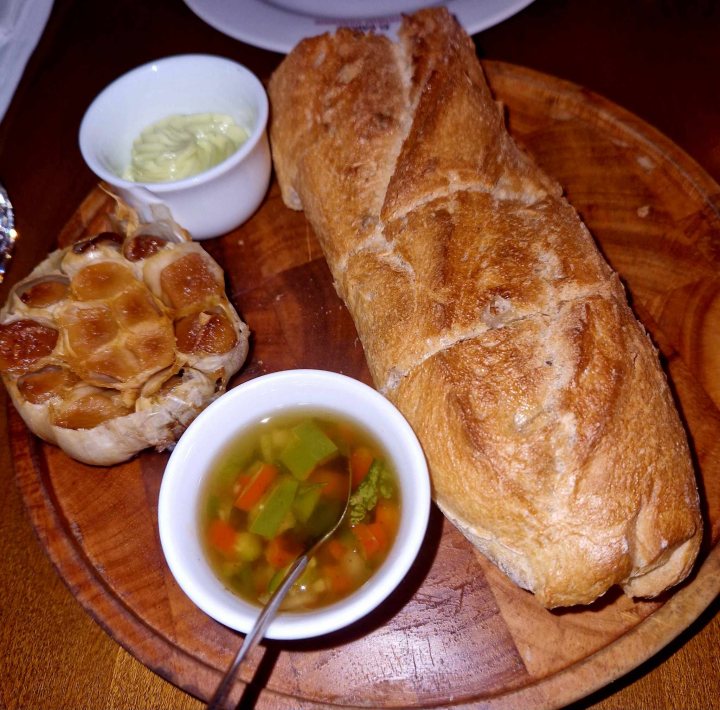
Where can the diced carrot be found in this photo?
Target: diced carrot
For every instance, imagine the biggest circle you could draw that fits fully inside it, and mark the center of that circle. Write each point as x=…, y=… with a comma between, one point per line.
x=365, y=538
x=252, y=490
x=361, y=459
x=373, y=538
x=281, y=551
x=336, y=549
x=381, y=535
x=335, y=484
x=388, y=515
x=222, y=536
x=339, y=581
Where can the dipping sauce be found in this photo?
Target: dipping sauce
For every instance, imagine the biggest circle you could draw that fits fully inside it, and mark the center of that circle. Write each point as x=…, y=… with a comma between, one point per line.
x=183, y=145
x=278, y=487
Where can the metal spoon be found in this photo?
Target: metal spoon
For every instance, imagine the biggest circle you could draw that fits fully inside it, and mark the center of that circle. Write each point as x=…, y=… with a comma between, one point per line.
x=268, y=612
x=8, y=235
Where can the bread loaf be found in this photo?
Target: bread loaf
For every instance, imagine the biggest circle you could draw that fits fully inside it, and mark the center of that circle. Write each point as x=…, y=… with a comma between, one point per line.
x=487, y=314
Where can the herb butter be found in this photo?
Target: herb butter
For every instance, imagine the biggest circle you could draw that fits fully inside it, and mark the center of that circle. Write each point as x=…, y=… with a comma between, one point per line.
x=183, y=145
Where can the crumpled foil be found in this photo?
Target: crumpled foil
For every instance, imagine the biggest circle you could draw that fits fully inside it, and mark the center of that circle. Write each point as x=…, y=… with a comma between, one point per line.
x=8, y=234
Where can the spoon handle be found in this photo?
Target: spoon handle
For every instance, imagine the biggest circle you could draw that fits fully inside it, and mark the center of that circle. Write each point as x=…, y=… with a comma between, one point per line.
x=258, y=629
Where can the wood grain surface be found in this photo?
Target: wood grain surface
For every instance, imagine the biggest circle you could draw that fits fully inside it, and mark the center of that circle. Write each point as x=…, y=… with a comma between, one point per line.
x=457, y=632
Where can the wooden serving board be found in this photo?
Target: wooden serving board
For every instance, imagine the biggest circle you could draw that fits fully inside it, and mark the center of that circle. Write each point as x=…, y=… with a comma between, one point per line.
x=457, y=632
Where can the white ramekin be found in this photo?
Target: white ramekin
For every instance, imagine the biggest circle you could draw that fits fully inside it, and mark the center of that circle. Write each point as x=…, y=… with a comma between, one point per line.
x=214, y=201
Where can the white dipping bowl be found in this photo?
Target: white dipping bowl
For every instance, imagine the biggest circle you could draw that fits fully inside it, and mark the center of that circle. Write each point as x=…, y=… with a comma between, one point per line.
x=214, y=201
x=243, y=406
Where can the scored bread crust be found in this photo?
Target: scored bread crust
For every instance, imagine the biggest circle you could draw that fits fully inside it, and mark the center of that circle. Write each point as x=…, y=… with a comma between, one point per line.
x=487, y=314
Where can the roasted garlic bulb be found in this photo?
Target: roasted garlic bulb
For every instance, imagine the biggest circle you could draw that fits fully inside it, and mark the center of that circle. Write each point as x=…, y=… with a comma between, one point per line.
x=115, y=343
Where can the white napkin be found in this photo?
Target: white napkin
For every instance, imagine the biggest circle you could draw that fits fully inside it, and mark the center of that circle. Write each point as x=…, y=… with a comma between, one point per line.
x=21, y=24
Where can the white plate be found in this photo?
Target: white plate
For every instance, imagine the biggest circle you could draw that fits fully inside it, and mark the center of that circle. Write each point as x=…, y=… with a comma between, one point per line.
x=278, y=25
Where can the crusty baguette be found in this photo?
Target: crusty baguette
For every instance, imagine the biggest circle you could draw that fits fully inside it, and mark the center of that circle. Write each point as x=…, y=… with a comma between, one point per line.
x=487, y=314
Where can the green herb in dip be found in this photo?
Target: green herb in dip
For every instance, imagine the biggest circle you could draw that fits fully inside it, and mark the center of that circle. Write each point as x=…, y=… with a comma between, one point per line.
x=183, y=145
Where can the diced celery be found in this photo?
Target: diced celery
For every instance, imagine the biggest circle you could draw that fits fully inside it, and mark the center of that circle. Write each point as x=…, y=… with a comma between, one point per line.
x=242, y=580
x=288, y=522
x=266, y=447
x=280, y=438
x=272, y=443
x=224, y=509
x=248, y=547
x=231, y=467
x=307, y=447
x=276, y=579
x=213, y=507
x=261, y=576
x=306, y=499
x=272, y=509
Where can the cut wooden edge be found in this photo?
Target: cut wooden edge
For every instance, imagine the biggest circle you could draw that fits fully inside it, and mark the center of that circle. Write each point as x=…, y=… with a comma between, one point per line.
x=699, y=181
x=626, y=653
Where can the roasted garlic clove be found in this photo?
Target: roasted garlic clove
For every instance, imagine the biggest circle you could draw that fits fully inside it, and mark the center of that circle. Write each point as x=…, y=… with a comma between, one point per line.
x=205, y=333
x=44, y=291
x=143, y=246
x=47, y=383
x=25, y=344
